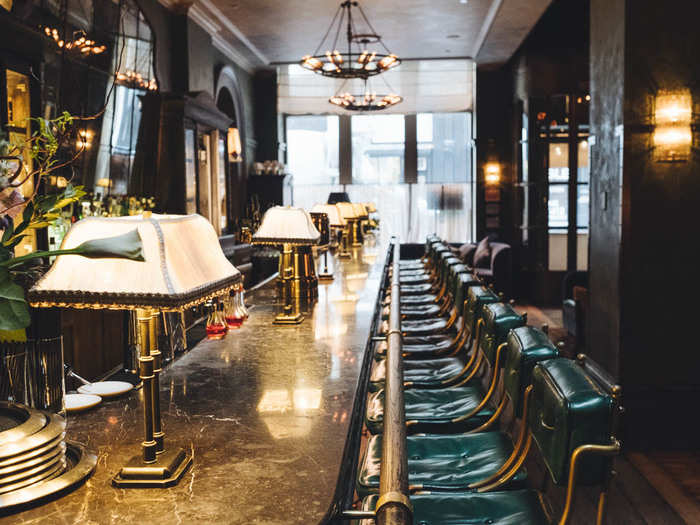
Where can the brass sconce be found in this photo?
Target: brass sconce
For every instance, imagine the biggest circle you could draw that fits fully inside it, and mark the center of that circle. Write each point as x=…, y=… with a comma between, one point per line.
x=235, y=149
x=672, y=136
x=492, y=173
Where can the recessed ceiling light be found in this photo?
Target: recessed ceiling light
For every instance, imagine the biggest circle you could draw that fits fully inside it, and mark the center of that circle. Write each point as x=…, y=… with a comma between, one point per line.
x=452, y=36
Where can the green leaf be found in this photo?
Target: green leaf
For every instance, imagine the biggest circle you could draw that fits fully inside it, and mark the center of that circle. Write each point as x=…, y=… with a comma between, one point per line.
x=7, y=234
x=126, y=246
x=14, y=310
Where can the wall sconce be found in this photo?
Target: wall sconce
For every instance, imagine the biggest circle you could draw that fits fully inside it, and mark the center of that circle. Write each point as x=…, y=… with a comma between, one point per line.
x=492, y=173
x=672, y=136
x=235, y=150
x=84, y=139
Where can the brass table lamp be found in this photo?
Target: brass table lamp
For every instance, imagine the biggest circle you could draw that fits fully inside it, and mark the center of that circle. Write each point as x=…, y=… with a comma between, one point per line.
x=362, y=216
x=335, y=220
x=184, y=266
x=322, y=224
x=293, y=229
x=354, y=226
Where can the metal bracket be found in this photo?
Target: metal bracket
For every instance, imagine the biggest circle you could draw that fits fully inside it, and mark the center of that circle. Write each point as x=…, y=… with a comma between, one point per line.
x=394, y=497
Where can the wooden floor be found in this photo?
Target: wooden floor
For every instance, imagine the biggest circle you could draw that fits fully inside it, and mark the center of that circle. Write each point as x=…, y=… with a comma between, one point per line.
x=654, y=488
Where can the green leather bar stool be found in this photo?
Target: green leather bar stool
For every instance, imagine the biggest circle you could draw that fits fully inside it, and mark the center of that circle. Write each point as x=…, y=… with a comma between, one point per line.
x=460, y=462
x=571, y=420
x=498, y=321
x=443, y=345
x=464, y=404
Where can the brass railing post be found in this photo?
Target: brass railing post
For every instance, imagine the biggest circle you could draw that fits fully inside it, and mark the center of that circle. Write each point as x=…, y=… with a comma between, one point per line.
x=394, y=506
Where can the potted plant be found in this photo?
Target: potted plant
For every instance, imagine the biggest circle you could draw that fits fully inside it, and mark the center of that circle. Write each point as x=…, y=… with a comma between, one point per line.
x=49, y=149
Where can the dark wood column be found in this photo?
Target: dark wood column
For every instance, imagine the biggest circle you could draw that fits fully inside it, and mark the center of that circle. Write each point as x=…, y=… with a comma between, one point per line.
x=643, y=254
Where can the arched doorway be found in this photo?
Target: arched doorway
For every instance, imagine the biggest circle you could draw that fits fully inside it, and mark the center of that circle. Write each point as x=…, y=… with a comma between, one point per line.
x=229, y=102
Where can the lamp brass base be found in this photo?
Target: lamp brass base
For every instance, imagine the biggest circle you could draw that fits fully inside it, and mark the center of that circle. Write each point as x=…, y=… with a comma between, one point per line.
x=344, y=255
x=325, y=277
x=285, y=318
x=165, y=471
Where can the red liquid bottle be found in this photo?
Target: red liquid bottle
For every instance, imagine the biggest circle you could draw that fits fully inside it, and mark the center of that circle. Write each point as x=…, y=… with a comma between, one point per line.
x=232, y=313
x=216, y=325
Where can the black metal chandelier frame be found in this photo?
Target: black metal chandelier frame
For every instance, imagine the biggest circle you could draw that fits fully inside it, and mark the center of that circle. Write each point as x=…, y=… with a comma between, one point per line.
x=357, y=61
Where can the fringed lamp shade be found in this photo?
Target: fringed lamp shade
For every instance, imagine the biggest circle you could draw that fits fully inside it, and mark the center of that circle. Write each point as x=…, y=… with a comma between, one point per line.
x=334, y=217
x=371, y=207
x=183, y=266
x=347, y=210
x=286, y=225
x=360, y=210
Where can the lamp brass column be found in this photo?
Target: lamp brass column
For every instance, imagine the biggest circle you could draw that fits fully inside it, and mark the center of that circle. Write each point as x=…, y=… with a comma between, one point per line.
x=288, y=316
x=343, y=252
x=156, y=467
x=356, y=237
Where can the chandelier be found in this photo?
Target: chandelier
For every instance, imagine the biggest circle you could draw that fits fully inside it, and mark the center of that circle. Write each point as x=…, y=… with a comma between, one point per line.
x=80, y=43
x=368, y=101
x=134, y=79
x=356, y=61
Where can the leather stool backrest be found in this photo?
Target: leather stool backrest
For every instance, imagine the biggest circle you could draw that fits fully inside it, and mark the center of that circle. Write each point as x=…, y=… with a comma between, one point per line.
x=460, y=284
x=499, y=319
x=527, y=346
x=568, y=408
x=477, y=297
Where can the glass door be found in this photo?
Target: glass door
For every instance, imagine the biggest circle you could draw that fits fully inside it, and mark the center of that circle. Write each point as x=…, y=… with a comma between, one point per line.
x=563, y=136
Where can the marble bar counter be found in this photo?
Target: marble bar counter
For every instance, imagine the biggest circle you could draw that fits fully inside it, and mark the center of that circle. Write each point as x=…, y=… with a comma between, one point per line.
x=264, y=412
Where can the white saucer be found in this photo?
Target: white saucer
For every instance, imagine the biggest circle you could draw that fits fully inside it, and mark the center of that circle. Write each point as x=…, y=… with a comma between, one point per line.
x=106, y=388
x=80, y=402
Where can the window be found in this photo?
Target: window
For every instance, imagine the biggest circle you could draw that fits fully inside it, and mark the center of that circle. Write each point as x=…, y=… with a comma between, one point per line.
x=377, y=149
x=312, y=157
x=132, y=55
x=444, y=154
x=439, y=202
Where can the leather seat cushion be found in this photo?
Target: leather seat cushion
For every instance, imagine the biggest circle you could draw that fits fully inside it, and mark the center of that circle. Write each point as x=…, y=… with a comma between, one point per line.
x=511, y=507
x=441, y=462
x=424, y=372
x=420, y=311
x=413, y=300
x=418, y=351
x=416, y=289
x=433, y=409
x=411, y=263
x=412, y=279
x=423, y=326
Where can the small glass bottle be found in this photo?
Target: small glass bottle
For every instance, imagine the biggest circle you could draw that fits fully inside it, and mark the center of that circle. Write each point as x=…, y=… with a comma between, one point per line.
x=241, y=304
x=216, y=325
x=232, y=313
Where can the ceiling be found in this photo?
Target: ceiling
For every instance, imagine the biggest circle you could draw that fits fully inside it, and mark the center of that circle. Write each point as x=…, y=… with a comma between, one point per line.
x=265, y=32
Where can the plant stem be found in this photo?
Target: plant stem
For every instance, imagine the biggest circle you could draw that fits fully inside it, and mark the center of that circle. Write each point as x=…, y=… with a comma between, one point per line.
x=11, y=263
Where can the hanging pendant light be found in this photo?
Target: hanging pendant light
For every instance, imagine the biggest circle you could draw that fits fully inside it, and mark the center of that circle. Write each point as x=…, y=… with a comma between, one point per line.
x=356, y=60
x=369, y=100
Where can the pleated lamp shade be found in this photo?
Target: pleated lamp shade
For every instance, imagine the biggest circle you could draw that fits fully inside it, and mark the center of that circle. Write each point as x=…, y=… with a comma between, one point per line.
x=371, y=207
x=347, y=210
x=334, y=217
x=286, y=225
x=183, y=266
x=360, y=210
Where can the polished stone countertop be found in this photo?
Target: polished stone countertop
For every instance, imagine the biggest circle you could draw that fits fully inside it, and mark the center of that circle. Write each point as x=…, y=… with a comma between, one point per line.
x=264, y=412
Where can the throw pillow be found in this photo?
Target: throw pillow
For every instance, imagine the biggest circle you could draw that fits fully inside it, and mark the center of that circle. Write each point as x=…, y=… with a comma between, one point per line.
x=482, y=255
